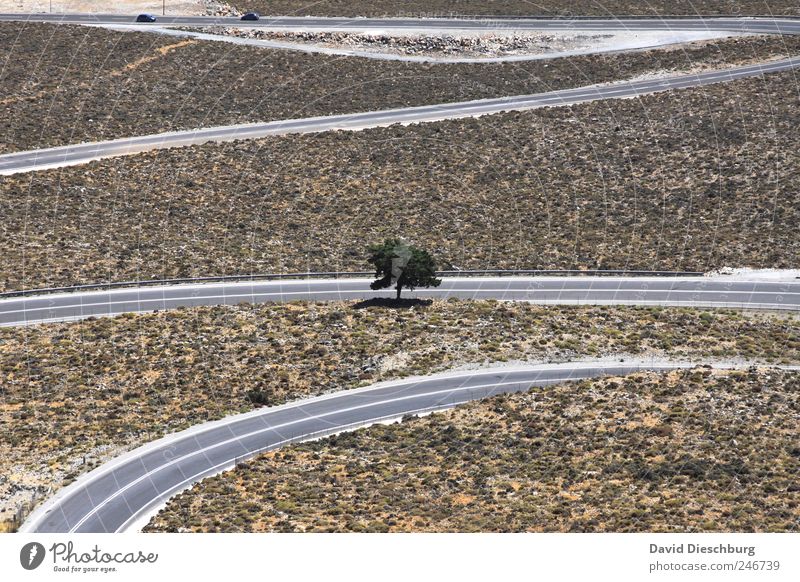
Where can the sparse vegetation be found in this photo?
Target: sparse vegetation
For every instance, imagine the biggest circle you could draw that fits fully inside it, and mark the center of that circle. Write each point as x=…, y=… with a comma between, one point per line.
x=69, y=84
x=691, y=180
x=695, y=179
x=433, y=8
x=74, y=395
x=686, y=451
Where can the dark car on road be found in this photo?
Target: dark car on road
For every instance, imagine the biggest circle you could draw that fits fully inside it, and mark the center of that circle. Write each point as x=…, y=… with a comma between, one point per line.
x=250, y=16
x=146, y=18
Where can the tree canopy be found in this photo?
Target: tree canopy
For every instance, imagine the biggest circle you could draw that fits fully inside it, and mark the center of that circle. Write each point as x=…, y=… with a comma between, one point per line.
x=402, y=265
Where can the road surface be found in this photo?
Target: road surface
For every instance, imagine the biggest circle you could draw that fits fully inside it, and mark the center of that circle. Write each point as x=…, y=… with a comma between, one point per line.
x=118, y=494
x=679, y=291
x=761, y=25
x=80, y=154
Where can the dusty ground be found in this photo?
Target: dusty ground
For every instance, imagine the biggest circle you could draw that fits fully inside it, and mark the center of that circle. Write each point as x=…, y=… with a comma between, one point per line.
x=433, y=8
x=696, y=180
x=74, y=395
x=687, y=451
x=189, y=7
x=70, y=84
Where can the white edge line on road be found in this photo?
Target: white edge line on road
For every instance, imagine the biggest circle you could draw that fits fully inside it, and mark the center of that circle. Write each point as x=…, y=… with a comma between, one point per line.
x=76, y=486
x=277, y=427
x=272, y=296
x=194, y=430
x=408, y=116
x=236, y=285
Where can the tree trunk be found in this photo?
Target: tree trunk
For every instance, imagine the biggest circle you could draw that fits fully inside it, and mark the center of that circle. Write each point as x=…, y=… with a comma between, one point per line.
x=398, y=288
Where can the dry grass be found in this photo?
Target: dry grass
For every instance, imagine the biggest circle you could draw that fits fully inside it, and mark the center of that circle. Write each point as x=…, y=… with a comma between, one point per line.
x=74, y=395
x=687, y=451
x=434, y=8
x=60, y=84
x=695, y=179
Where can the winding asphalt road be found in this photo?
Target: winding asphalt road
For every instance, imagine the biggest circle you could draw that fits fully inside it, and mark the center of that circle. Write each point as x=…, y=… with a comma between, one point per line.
x=761, y=25
x=679, y=291
x=117, y=495
x=80, y=154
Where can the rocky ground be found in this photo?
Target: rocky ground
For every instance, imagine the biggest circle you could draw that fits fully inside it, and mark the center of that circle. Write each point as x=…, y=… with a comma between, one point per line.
x=707, y=181
x=69, y=84
x=688, y=451
x=75, y=395
x=220, y=8
x=697, y=179
x=439, y=8
x=463, y=45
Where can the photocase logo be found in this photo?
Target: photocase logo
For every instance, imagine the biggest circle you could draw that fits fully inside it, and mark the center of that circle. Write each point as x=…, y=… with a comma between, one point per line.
x=31, y=555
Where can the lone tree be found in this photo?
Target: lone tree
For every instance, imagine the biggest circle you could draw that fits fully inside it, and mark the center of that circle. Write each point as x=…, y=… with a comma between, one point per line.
x=402, y=265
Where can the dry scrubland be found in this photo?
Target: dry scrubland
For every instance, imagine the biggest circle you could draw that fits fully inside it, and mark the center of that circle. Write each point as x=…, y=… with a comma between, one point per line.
x=74, y=395
x=686, y=451
x=70, y=84
x=105, y=6
x=695, y=179
x=516, y=7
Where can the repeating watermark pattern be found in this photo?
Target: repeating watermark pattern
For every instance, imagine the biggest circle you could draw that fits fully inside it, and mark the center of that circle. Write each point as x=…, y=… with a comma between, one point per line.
x=66, y=557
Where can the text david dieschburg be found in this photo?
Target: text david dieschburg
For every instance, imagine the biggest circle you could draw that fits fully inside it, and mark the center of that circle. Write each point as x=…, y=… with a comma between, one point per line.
x=750, y=551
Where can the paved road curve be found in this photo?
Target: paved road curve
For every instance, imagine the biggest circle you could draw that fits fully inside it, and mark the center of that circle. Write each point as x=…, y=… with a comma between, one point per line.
x=732, y=24
x=679, y=291
x=116, y=495
x=83, y=153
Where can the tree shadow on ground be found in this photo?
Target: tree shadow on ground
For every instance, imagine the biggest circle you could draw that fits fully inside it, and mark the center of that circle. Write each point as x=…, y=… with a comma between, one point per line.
x=392, y=303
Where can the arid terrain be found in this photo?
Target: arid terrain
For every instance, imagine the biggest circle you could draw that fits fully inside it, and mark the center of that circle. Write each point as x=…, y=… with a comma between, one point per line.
x=71, y=84
x=701, y=178
x=696, y=179
x=98, y=387
x=686, y=451
x=434, y=8
x=105, y=7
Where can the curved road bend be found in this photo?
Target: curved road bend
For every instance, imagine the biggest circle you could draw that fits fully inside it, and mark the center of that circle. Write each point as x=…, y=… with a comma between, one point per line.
x=121, y=492
x=756, y=25
x=658, y=291
x=113, y=496
x=80, y=154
